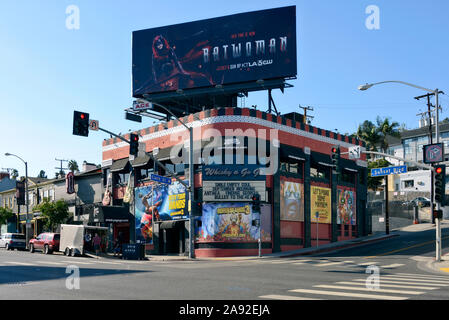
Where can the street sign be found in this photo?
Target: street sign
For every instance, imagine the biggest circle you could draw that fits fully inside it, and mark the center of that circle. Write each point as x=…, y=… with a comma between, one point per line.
x=378, y=172
x=140, y=105
x=354, y=152
x=161, y=179
x=93, y=125
x=433, y=153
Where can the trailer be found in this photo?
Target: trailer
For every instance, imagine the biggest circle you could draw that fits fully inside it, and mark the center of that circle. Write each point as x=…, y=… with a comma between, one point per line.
x=77, y=239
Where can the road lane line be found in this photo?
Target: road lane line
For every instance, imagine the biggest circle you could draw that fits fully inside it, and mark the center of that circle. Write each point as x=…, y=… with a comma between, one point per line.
x=76, y=262
x=444, y=269
x=302, y=262
x=390, y=285
x=349, y=294
x=404, y=249
x=415, y=279
x=333, y=263
x=282, y=297
x=49, y=262
x=405, y=281
x=394, y=265
x=367, y=263
x=423, y=275
x=20, y=263
x=367, y=289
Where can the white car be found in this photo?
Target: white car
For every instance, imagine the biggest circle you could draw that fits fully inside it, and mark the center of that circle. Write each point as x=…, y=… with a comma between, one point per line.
x=11, y=241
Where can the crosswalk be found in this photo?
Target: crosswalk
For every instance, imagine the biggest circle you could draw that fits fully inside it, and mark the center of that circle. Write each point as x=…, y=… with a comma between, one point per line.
x=60, y=263
x=321, y=263
x=398, y=286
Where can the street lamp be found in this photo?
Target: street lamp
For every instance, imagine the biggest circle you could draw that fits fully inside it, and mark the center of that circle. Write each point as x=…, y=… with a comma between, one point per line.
x=437, y=134
x=27, y=234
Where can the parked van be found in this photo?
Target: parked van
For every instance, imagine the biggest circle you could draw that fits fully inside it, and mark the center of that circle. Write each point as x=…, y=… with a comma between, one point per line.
x=11, y=241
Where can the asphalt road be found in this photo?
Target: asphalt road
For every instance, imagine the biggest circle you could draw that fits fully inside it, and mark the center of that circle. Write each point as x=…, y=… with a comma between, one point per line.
x=400, y=263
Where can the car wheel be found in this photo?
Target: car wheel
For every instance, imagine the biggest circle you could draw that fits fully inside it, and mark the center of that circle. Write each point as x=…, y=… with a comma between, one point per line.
x=67, y=252
x=31, y=248
x=7, y=246
x=46, y=250
x=73, y=253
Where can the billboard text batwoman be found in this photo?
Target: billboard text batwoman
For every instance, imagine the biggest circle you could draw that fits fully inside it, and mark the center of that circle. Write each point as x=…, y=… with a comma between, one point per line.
x=232, y=49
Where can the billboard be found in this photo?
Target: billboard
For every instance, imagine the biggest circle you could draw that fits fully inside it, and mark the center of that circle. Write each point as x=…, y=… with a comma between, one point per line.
x=292, y=199
x=232, y=222
x=232, y=49
x=320, y=205
x=159, y=203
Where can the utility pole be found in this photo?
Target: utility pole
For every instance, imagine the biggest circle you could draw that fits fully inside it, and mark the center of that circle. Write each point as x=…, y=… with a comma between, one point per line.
x=308, y=108
x=61, y=168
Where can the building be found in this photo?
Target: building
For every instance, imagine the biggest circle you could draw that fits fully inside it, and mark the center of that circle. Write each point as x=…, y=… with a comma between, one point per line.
x=232, y=147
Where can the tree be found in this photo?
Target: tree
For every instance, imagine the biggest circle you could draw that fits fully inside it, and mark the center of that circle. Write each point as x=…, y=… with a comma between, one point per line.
x=73, y=166
x=375, y=182
x=368, y=133
x=53, y=213
x=42, y=174
x=387, y=128
x=5, y=215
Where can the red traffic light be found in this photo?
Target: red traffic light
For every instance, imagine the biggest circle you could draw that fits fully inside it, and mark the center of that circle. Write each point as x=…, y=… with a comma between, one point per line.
x=438, y=170
x=334, y=150
x=82, y=115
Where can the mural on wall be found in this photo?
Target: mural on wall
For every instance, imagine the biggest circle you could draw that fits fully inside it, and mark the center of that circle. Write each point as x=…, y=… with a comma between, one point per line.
x=320, y=205
x=232, y=222
x=346, y=213
x=292, y=201
x=158, y=203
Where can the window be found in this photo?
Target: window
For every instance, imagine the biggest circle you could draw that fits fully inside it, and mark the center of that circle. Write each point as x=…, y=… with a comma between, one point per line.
x=122, y=178
x=318, y=171
x=409, y=183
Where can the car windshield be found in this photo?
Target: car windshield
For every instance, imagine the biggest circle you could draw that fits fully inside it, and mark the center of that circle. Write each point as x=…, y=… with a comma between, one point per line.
x=18, y=236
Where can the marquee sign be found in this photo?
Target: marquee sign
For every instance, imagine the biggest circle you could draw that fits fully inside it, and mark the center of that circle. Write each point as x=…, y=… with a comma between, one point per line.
x=214, y=191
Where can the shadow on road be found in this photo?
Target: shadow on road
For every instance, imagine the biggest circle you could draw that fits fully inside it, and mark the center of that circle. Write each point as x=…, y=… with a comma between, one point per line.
x=20, y=274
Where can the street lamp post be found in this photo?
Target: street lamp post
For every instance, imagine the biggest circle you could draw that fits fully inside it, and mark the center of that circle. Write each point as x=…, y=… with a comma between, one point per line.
x=437, y=134
x=27, y=233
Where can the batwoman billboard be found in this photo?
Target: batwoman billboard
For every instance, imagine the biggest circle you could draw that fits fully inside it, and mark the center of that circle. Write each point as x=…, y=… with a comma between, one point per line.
x=232, y=49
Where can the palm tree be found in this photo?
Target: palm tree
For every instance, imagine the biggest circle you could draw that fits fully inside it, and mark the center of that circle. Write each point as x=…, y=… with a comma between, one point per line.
x=42, y=174
x=73, y=166
x=387, y=128
x=368, y=133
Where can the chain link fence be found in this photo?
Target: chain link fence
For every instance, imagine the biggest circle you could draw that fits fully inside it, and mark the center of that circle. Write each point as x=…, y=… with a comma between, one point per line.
x=401, y=208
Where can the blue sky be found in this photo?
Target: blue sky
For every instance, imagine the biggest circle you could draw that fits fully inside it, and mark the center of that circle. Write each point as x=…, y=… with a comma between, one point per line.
x=47, y=71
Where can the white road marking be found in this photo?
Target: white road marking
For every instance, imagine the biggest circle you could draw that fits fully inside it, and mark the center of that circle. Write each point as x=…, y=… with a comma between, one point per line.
x=20, y=263
x=405, y=282
x=367, y=264
x=433, y=281
x=424, y=275
x=49, y=262
x=349, y=294
x=389, y=285
x=368, y=289
x=333, y=263
x=282, y=297
x=302, y=261
x=394, y=265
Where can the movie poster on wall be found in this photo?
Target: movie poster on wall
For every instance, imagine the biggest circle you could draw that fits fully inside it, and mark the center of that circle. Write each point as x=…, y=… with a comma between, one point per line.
x=346, y=213
x=158, y=203
x=292, y=201
x=232, y=222
x=320, y=204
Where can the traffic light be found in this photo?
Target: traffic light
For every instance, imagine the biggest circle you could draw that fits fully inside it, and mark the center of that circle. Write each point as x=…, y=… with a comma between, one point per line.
x=256, y=202
x=80, y=123
x=335, y=156
x=134, y=144
x=440, y=182
x=197, y=208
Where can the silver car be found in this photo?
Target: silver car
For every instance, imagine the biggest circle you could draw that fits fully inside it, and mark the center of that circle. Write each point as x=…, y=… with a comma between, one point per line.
x=11, y=241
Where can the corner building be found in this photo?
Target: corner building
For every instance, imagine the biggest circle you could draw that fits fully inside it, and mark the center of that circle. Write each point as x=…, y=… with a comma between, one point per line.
x=304, y=203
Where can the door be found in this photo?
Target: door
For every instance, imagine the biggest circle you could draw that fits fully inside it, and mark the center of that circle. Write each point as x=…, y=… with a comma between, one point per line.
x=39, y=243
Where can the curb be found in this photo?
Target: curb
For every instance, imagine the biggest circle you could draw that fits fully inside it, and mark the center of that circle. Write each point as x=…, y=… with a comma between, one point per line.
x=336, y=248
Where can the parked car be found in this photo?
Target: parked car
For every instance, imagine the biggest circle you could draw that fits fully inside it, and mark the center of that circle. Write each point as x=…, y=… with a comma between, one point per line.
x=419, y=201
x=11, y=241
x=47, y=242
